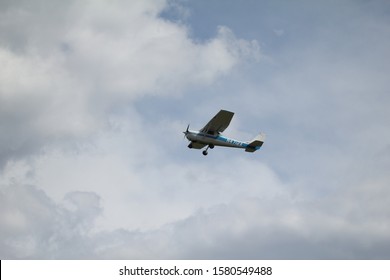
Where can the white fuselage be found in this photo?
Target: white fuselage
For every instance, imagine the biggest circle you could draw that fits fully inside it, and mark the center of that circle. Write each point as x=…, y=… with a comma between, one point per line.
x=216, y=140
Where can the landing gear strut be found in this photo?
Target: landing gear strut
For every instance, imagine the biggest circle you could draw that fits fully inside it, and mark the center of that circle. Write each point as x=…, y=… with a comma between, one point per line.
x=211, y=146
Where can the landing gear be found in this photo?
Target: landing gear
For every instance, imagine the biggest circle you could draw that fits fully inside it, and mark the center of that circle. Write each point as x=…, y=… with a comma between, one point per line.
x=190, y=145
x=211, y=146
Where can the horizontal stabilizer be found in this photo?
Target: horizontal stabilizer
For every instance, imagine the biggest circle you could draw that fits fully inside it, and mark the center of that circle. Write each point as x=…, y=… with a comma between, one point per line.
x=256, y=143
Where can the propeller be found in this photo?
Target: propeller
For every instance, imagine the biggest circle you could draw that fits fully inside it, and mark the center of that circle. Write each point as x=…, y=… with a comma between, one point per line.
x=186, y=132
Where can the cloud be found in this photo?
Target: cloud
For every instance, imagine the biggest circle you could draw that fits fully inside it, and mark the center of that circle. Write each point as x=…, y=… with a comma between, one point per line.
x=65, y=75
x=93, y=166
x=72, y=73
x=273, y=227
x=33, y=226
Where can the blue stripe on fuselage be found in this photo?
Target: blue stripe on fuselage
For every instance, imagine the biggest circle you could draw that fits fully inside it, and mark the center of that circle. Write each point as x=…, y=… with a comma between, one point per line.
x=231, y=141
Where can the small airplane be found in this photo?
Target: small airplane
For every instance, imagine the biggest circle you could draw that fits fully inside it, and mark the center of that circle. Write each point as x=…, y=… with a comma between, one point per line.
x=210, y=135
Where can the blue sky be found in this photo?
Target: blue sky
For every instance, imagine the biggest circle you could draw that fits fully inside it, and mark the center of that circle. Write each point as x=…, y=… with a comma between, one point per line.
x=94, y=97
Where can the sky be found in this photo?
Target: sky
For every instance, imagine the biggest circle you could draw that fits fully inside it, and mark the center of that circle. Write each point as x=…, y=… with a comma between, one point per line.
x=94, y=96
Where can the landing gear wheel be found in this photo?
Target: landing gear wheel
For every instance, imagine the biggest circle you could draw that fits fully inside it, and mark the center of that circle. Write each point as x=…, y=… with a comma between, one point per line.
x=211, y=146
x=204, y=153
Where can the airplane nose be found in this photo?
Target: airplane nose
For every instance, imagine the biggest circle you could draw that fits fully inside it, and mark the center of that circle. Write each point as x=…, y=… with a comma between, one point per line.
x=186, y=132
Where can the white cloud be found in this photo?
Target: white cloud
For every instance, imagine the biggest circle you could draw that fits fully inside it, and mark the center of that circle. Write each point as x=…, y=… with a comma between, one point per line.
x=71, y=75
x=256, y=227
x=92, y=59
x=86, y=175
x=151, y=190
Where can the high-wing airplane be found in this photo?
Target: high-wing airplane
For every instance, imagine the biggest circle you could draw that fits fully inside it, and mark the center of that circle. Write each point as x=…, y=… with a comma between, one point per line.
x=210, y=135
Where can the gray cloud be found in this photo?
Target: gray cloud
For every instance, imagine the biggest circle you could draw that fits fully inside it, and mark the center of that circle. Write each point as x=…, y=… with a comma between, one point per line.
x=34, y=226
x=246, y=228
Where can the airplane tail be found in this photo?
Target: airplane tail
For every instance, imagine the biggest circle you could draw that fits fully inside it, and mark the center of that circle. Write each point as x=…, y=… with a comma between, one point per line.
x=256, y=143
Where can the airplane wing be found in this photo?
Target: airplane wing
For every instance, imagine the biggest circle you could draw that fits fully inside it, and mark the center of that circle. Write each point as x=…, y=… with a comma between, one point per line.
x=218, y=123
